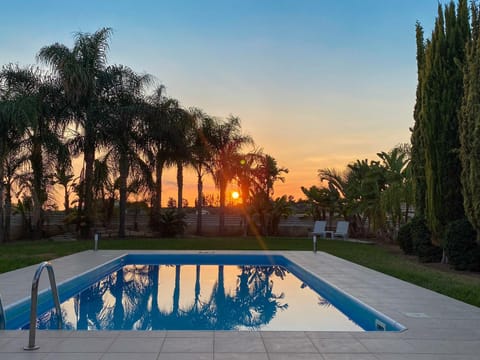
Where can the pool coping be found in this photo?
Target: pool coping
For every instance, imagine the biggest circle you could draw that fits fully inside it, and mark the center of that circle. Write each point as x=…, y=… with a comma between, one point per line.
x=438, y=327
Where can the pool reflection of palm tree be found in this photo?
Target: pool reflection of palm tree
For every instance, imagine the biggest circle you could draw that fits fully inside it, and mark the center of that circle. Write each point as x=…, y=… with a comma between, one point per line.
x=137, y=295
x=129, y=287
x=88, y=308
x=134, y=301
x=255, y=301
x=116, y=290
x=176, y=318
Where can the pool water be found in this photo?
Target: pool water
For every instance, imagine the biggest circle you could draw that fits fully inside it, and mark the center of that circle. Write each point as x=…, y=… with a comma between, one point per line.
x=200, y=297
x=201, y=292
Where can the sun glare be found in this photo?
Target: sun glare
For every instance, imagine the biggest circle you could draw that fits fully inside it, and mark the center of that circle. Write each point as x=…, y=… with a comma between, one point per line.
x=235, y=195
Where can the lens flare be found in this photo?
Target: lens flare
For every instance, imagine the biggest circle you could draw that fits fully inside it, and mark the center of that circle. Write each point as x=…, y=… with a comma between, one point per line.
x=235, y=195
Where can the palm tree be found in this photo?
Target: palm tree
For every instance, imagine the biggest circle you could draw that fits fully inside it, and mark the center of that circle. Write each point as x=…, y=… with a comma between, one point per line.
x=257, y=173
x=121, y=132
x=268, y=173
x=281, y=207
x=201, y=154
x=162, y=134
x=183, y=143
x=226, y=144
x=325, y=200
x=42, y=136
x=64, y=177
x=356, y=193
x=105, y=186
x=334, y=178
x=245, y=175
x=399, y=189
x=13, y=120
x=365, y=182
x=79, y=69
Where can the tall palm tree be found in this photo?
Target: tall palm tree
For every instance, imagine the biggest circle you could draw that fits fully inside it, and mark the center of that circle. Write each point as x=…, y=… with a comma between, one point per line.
x=201, y=154
x=227, y=143
x=182, y=143
x=13, y=120
x=79, y=69
x=122, y=94
x=43, y=133
x=162, y=133
x=246, y=179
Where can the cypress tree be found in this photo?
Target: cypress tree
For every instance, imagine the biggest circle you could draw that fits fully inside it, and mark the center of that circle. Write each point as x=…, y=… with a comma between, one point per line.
x=470, y=125
x=441, y=93
x=418, y=155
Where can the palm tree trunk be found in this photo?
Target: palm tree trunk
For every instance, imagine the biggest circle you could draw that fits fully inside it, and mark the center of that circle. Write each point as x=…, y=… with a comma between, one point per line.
x=176, y=291
x=36, y=160
x=157, y=205
x=123, y=168
x=155, y=288
x=220, y=295
x=197, y=287
x=117, y=291
x=199, y=202
x=2, y=223
x=8, y=213
x=221, y=221
x=66, y=199
x=89, y=158
x=245, y=217
x=180, y=185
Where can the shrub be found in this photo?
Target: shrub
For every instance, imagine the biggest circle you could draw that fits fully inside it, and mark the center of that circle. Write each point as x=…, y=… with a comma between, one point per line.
x=172, y=223
x=461, y=247
x=422, y=243
x=404, y=238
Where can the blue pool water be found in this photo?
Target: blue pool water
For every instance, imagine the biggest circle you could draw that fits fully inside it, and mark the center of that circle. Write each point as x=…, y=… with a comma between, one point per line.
x=202, y=292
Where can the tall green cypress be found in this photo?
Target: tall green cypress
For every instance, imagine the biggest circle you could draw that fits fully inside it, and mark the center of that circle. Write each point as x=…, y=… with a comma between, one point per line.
x=418, y=155
x=441, y=95
x=470, y=125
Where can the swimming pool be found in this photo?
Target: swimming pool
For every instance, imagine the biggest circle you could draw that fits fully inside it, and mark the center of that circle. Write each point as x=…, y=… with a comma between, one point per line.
x=203, y=292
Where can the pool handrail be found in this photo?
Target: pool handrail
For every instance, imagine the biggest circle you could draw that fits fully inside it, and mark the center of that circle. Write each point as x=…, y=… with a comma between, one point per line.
x=2, y=315
x=34, y=302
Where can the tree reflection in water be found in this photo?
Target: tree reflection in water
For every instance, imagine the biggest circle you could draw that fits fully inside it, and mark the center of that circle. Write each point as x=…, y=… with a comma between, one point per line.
x=128, y=299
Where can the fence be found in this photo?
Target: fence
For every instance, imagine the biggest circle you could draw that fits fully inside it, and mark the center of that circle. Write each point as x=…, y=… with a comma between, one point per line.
x=138, y=224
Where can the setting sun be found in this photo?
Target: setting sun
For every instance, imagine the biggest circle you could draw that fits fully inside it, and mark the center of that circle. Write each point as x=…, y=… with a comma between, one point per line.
x=235, y=195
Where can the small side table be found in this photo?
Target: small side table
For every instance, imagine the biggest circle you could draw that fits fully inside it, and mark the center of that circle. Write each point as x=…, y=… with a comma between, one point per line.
x=327, y=233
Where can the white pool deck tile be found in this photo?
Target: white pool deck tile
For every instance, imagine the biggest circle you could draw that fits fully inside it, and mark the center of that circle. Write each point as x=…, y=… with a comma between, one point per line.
x=438, y=327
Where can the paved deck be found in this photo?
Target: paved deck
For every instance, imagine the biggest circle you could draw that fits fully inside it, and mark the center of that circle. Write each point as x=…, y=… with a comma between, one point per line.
x=439, y=328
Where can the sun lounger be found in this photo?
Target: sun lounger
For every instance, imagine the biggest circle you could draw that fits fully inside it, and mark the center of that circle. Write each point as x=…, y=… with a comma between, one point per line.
x=319, y=229
x=342, y=230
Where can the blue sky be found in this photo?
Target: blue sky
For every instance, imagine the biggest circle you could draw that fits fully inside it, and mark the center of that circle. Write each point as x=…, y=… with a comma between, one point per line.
x=316, y=83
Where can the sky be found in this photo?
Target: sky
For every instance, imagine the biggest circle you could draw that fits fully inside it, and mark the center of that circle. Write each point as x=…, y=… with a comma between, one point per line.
x=316, y=83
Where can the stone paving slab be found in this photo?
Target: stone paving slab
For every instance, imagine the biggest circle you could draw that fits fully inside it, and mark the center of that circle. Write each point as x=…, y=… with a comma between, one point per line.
x=438, y=327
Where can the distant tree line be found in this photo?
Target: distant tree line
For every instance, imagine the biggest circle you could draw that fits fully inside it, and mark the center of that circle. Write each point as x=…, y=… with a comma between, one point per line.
x=127, y=136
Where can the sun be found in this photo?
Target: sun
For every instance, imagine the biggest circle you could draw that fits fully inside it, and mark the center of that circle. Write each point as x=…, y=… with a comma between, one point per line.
x=235, y=195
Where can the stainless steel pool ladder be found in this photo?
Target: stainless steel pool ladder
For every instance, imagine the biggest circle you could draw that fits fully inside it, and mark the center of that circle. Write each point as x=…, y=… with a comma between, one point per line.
x=34, y=300
x=2, y=315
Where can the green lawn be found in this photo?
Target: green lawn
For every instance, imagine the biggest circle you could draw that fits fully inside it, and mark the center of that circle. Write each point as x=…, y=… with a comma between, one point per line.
x=461, y=286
